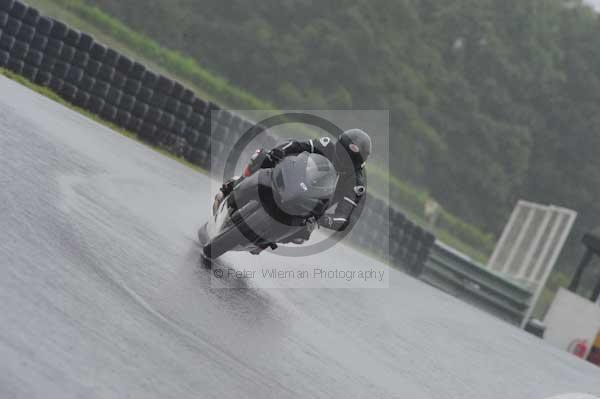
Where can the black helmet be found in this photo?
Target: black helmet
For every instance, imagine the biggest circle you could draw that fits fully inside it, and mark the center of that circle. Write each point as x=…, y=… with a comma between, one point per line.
x=354, y=143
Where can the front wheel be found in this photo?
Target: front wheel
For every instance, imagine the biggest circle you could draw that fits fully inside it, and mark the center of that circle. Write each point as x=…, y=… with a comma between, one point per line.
x=231, y=237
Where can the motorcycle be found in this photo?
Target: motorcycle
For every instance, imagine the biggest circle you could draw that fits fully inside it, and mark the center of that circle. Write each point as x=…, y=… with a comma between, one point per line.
x=270, y=207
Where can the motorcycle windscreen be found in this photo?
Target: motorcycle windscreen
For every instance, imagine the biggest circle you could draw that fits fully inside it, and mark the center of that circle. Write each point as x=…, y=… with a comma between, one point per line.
x=304, y=184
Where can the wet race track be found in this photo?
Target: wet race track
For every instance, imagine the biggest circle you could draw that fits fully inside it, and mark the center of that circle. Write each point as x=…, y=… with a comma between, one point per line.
x=102, y=294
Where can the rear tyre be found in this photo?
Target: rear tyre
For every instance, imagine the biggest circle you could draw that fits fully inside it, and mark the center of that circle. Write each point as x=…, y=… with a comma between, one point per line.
x=202, y=234
x=205, y=260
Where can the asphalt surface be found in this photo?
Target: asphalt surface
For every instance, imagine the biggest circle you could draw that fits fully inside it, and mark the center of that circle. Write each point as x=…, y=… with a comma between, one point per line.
x=102, y=294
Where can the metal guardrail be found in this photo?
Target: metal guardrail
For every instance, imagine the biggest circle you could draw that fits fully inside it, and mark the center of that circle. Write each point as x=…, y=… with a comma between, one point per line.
x=466, y=279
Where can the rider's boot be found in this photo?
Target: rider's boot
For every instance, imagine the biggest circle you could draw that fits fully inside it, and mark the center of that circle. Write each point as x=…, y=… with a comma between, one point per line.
x=225, y=190
x=218, y=199
x=261, y=248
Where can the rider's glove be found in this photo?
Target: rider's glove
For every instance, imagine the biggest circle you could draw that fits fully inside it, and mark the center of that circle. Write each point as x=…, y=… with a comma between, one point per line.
x=228, y=186
x=311, y=220
x=325, y=221
x=276, y=155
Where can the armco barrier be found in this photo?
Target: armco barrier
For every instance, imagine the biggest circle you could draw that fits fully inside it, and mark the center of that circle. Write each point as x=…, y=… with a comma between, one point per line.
x=464, y=278
x=160, y=111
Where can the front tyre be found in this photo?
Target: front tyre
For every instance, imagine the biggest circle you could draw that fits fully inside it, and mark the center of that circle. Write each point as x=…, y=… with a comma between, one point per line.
x=232, y=236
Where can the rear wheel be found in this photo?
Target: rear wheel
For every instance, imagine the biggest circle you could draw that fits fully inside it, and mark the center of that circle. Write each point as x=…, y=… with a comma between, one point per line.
x=206, y=261
x=202, y=234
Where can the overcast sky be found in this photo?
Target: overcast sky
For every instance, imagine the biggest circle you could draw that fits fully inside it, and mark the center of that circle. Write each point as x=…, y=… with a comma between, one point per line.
x=595, y=3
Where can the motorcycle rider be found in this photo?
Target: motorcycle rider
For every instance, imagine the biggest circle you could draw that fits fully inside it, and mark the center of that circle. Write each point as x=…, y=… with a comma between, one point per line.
x=348, y=155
